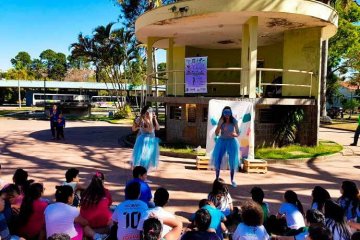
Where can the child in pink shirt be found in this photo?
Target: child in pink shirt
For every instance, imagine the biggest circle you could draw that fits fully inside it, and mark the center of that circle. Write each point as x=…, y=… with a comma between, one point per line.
x=31, y=217
x=95, y=203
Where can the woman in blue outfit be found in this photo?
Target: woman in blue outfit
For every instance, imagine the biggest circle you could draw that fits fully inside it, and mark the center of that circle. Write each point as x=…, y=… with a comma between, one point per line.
x=146, y=148
x=228, y=130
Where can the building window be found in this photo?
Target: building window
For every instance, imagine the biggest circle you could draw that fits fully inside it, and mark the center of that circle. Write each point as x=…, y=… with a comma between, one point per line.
x=268, y=116
x=205, y=114
x=175, y=112
x=191, y=108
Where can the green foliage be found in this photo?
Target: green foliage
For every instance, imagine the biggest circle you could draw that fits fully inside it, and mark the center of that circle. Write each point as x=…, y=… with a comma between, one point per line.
x=18, y=74
x=113, y=53
x=21, y=61
x=124, y=112
x=350, y=104
x=296, y=151
x=55, y=63
x=344, y=47
x=78, y=62
x=286, y=132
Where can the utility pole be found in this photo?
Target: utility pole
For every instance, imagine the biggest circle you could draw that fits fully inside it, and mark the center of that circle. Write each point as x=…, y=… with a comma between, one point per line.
x=19, y=93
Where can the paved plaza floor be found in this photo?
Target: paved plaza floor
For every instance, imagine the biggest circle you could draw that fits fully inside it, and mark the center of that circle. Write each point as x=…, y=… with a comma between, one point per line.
x=92, y=146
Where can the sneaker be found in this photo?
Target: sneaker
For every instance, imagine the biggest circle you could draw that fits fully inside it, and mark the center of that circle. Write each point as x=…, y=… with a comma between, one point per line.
x=353, y=144
x=233, y=184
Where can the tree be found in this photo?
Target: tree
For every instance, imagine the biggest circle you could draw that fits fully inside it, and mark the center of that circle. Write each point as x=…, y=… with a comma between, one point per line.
x=111, y=52
x=21, y=61
x=86, y=50
x=132, y=9
x=55, y=63
x=80, y=63
x=351, y=104
x=343, y=50
x=38, y=69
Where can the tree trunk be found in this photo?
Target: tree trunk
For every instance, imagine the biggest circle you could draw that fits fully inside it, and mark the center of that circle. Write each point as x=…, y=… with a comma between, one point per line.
x=323, y=77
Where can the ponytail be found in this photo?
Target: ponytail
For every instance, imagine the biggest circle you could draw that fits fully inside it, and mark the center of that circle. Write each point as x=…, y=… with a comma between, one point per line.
x=291, y=197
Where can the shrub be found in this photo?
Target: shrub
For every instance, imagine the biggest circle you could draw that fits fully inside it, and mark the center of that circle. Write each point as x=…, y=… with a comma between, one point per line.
x=123, y=112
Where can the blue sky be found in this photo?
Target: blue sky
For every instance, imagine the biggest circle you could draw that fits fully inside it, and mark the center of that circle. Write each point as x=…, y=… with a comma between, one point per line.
x=37, y=25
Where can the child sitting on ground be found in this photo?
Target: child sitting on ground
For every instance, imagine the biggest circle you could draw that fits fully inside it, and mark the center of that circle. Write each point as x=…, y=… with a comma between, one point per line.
x=72, y=180
x=221, y=198
x=257, y=195
x=218, y=219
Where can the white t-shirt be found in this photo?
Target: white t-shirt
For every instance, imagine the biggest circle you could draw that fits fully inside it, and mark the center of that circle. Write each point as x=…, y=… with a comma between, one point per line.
x=159, y=213
x=128, y=215
x=245, y=232
x=294, y=218
x=59, y=218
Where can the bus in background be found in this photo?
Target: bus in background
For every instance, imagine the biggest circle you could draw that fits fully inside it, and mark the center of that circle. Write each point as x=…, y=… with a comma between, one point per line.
x=37, y=99
x=107, y=101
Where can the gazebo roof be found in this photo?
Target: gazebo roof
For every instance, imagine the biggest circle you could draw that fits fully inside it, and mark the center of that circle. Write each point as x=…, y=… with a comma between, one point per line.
x=218, y=24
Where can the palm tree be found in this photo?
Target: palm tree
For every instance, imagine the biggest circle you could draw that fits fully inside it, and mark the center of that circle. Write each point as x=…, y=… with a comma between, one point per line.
x=110, y=51
x=85, y=49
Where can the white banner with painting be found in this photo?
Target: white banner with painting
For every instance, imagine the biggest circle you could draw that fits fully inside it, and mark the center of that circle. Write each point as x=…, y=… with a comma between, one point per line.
x=243, y=112
x=196, y=75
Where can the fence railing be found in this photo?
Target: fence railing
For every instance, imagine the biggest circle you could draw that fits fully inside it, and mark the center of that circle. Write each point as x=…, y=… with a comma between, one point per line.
x=260, y=85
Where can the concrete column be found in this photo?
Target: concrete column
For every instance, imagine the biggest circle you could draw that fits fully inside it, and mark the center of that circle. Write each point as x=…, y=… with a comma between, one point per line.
x=253, y=35
x=149, y=65
x=170, y=66
x=244, y=60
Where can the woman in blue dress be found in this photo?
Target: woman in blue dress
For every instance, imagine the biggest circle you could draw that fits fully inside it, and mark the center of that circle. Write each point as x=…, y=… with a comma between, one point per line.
x=146, y=148
x=228, y=130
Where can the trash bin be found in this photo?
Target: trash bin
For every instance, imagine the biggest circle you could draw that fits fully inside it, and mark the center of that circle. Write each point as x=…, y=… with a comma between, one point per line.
x=111, y=114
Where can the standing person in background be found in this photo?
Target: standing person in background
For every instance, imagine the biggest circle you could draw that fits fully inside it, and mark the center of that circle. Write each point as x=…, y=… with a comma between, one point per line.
x=357, y=133
x=146, y=148
x=228, y=130
x=54, y=114
x=60, y=127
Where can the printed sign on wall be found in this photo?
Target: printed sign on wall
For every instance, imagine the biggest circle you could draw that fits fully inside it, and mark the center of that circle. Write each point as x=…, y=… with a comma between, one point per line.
x=196, y=75
x=244, y=114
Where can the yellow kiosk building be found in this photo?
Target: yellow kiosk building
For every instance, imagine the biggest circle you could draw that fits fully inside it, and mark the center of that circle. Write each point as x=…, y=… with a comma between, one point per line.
x=264, y=51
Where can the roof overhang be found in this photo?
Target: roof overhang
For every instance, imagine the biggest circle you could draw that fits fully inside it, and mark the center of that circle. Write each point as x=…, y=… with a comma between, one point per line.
x=218, y=24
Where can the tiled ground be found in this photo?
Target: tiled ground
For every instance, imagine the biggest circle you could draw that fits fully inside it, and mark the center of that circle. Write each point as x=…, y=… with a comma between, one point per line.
x=92, y=146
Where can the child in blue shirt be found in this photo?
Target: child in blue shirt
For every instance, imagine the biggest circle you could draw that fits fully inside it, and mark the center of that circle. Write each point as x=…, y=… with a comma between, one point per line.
x=60, y=127
x=140, y=176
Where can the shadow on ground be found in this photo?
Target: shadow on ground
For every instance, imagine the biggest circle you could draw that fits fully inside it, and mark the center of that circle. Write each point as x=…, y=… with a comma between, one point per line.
x=104, y=136
x=97, y=148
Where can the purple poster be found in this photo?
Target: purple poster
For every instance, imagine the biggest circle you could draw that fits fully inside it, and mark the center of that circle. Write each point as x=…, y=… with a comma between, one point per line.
x=196, y=75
